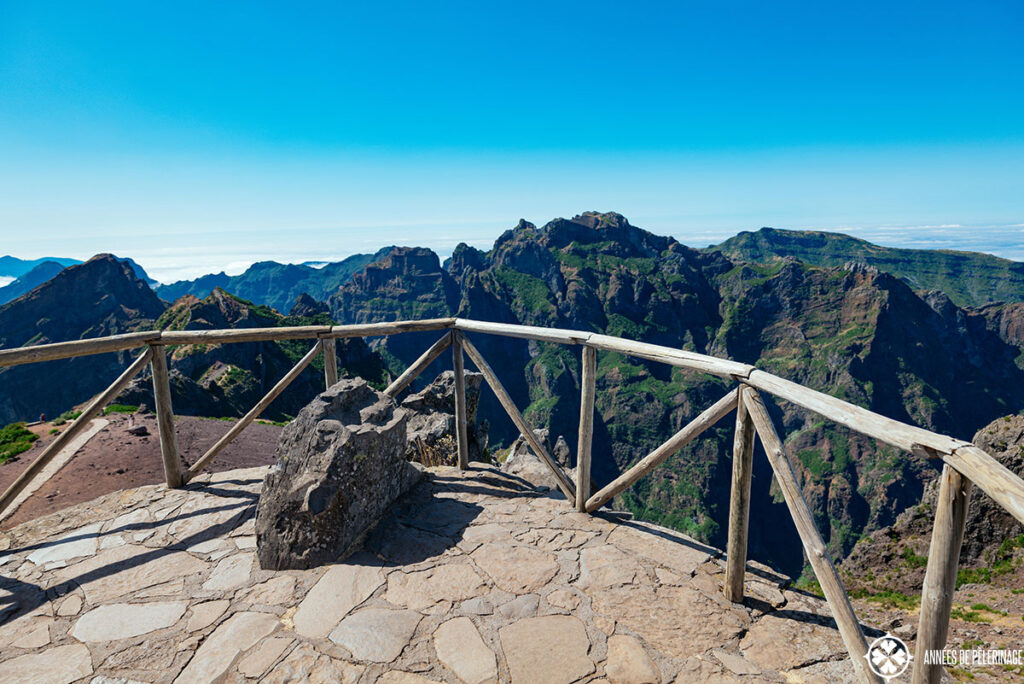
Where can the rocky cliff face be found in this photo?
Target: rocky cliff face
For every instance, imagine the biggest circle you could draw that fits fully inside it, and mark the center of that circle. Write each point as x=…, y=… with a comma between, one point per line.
x=100, y=297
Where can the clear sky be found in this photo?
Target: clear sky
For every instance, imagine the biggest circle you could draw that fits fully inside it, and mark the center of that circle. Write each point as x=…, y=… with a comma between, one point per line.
x=200, y=136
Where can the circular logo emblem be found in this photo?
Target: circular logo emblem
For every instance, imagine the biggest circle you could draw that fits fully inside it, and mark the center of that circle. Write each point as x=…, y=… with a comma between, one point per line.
x=888, y=657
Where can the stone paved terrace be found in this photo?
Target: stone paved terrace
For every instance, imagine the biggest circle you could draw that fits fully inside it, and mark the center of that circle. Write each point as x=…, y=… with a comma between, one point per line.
x=473, y=577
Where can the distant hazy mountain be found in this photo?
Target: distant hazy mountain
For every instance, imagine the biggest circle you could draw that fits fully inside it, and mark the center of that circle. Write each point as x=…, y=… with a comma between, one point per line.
x=30, y=281
x=274, y=284
x=15, y=268
x=968, y=278
x=46, y=269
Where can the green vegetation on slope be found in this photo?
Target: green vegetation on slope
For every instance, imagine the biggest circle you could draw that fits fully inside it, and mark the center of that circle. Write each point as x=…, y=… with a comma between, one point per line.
x=15, y=439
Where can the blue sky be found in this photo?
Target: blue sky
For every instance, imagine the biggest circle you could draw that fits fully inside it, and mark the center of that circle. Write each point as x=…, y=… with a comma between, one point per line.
x=199, y=136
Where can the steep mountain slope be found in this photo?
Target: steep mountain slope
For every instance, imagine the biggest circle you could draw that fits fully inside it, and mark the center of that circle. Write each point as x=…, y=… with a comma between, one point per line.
x=100, y=297
x=855, y=333
x=273, y=284
x=30, y=281
x=968, y=278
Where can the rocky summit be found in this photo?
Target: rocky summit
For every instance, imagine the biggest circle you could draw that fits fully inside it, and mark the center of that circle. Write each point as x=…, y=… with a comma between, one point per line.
x=473, y=576
x=339, y=465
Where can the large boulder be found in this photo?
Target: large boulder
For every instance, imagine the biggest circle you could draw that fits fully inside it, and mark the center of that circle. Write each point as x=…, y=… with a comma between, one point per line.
x=340, y=464
x=431, y=436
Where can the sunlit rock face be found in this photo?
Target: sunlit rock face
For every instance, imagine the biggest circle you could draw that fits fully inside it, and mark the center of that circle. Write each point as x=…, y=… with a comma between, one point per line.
x=340, y=464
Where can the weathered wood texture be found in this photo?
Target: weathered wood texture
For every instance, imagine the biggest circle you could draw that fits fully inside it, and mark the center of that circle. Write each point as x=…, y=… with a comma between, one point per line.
x=254, y=413
x=940, y=578
x=524, y=428
x=672, y=357
x=991, y=476
x=461, y=427
x=420, y=365
x=676, y=442
x=71, y=431
x=300, y=332
x=330, y=361
x=391, y=327
x=64, y=350
x=527, y=332
x=165, y=418
x=739, y=501
x=814, y=546
x=588, y=378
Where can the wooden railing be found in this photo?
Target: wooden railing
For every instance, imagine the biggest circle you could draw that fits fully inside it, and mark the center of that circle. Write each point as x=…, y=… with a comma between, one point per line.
x=963, y=463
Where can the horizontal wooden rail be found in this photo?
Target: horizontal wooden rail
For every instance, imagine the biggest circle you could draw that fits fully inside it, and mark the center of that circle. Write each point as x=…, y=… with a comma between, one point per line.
x=66, y=350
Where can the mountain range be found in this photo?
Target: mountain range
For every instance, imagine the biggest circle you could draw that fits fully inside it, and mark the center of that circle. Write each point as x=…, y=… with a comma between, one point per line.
x=877, y=338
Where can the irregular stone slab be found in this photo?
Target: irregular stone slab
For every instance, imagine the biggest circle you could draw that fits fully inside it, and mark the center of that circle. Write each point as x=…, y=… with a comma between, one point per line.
x=777, y=643
x=736, y=664
x=551, y=649
x=563, y=598
x=459, y=646
x=675, y=620
x=60, y=665
x=628, y=662
x=272, y=592
x=230, y=573
x=123, y=620
x=239, y=633
x=124, y=570
x=606, y=566
x=342, y=588
x=674, y=550
x=71, y=605
x=37, y=636
x=376, y=634
x=262, y=656
x=420, y=590
x=516, y=569
x=205, y=614
x=398, y=677
x=81, y=542
x=305, y=664
x=340, y=464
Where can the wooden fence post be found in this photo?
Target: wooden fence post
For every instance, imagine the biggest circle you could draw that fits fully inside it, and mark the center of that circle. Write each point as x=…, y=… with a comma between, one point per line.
x=461, y=429
x=940, y=578
x=330, y=361
x=165, y=418
x=739, y=501
x=419, y=365
x=587, y=386
x=817, y=553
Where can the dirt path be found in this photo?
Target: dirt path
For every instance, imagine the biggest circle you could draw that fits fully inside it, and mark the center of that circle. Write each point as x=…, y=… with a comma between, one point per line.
x=113, y=460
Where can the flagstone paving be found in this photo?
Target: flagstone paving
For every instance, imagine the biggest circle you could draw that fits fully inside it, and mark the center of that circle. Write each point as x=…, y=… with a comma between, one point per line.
x=472, y=577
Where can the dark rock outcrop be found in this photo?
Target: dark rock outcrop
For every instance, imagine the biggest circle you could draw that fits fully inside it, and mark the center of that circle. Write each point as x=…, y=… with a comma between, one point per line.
x=432, y=421
x=340, y=464
x=307, y=306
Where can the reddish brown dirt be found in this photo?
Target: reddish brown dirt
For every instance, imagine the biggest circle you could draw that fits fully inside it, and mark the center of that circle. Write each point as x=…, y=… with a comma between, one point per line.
x=113, y=460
